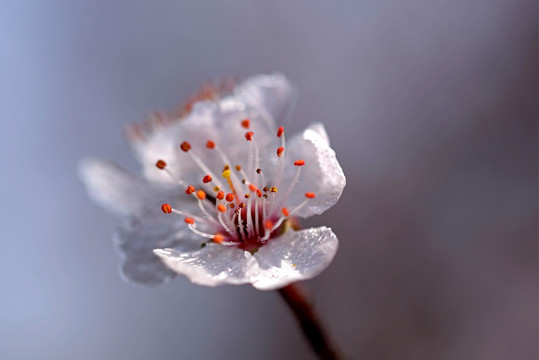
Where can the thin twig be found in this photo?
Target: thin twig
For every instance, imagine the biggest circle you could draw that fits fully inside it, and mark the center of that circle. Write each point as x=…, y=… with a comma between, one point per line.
x=296, y=298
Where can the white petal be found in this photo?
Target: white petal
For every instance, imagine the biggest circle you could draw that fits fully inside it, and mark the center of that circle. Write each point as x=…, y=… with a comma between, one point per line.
x=321, y=174
x=274, y=93
x=211, y=266
x=297, y=255
x=112, y=187
x=261, y=98
x=137, y=239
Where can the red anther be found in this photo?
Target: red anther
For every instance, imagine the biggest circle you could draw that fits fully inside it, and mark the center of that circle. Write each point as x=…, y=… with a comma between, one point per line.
x=247, y=196
x=229, y=197
x=167, y=209
x=258, y=193
x=210, y=144
x=280, y=131
x=185, y=146
x=285, y=211
x=201, y=194
x=190, y=189
x=310, y=195
x=161, y=164
x=241, y=205
x=218, y=238
x=268, y=224
x=206, y=179
x=189, y=220
x=252, y=187
x=220, y=195
x=249, y=135
x=280, y=150
x=221, y=208
x=299, y=162
x=231, y=206
x=246, y=123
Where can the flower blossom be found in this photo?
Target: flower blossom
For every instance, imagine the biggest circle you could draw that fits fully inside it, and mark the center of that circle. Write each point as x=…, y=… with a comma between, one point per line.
x=221, y=192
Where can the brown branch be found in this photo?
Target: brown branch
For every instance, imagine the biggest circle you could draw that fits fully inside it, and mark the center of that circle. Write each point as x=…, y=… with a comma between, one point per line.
x=296, y=298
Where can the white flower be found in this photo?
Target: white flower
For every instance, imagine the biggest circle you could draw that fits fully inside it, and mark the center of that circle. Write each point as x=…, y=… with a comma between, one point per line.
x=220, y=190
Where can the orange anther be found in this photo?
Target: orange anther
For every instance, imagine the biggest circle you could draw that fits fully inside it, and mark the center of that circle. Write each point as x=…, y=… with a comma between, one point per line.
x=285, y=211
x=167, y=209
x=210, y=144
x=299, y=162
x=190, y=189
x=189, y=221
x=249, y=135
x=280, y=150
x=201, y=194
x=218, y=238
x=238, y=168
x=258, y=193
x=246, y=123
x=268, y=224
x=206, y=179
x=229, y=197
x=310, y=195
x=231, y=206
x=252, y=187
x=247, y=196
x=185, y=146
x=280, y=131
x=220, y=195
x=221, y=208
x=161, y=164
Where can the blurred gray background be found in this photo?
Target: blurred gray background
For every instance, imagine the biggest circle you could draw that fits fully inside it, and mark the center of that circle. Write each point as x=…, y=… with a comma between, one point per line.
x=431, y=107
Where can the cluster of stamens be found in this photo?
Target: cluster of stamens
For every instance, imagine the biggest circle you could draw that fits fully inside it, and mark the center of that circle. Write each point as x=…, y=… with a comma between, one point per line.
x=237, y=205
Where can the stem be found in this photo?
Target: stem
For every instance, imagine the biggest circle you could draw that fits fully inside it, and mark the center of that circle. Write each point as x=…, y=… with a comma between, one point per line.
x=296, y=298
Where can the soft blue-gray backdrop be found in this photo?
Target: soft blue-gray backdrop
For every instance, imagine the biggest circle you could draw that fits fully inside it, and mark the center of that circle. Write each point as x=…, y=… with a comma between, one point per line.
x=430, y=105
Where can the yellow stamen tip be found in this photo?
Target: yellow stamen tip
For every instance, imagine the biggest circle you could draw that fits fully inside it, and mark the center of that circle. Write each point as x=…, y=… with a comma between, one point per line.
x=226, y=174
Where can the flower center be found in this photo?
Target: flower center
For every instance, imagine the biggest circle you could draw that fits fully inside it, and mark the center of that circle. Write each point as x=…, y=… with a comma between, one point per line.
x=238, y=207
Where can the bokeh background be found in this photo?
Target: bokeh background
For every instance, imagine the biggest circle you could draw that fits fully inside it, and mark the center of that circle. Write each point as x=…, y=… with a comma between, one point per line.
x=431, y=107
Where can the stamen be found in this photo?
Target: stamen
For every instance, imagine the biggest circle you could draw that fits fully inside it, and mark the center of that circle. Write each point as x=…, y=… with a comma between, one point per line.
x=226, y=175
x=185, y=146
x=280, y=151
x=299, y=164
x=190, y=189
x=206, y=179
x=161, y=164
x=199, y=162
x=220, y=195
x=166, y=208
x=249, y=135
x=218, y=238
x=210, y=144
x=310, y=195
x=246, y=123
x=280, y=131
x=229, y=197
x=221, y=208
x=285, y=211
x=189, y=220
x=201, y=194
